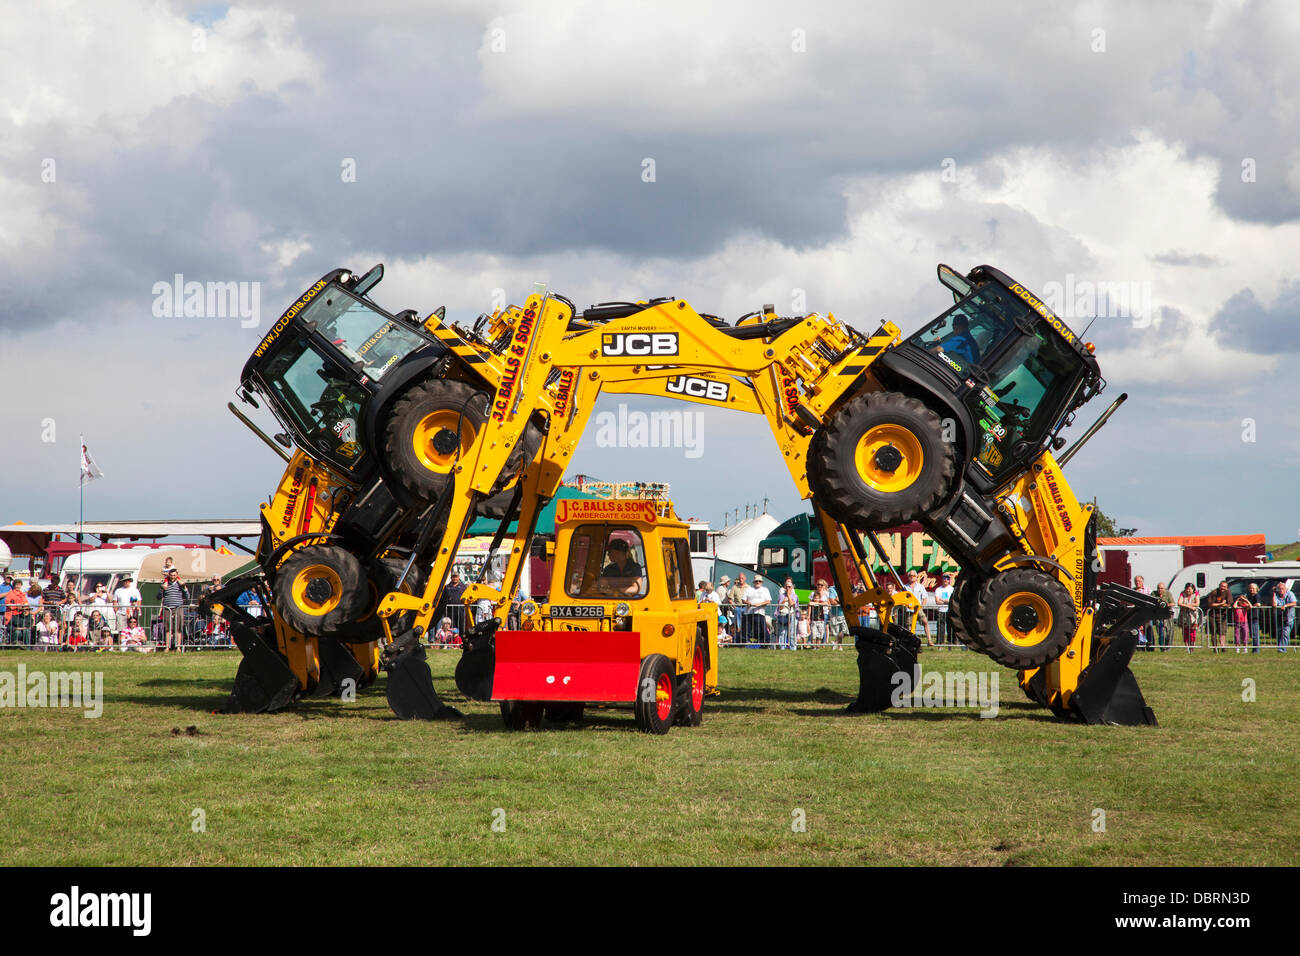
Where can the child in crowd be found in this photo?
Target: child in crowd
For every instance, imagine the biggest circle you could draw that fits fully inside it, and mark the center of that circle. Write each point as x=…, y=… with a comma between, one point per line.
x=804, y=629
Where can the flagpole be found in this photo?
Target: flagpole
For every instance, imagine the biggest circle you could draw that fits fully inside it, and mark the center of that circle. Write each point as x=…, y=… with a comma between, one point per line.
x=81, y=510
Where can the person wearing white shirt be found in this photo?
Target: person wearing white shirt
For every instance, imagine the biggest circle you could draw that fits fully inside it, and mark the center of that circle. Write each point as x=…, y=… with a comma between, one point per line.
x=757, y=598
x=126, y=594
x=943, y=595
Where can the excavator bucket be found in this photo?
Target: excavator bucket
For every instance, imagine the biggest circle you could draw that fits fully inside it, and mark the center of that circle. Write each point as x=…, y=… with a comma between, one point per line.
x=478, y=661
x=264, y=681
x=567, y=665
x=411, y=694
x=1107, y=692
x=881, y=655
x=337, y=665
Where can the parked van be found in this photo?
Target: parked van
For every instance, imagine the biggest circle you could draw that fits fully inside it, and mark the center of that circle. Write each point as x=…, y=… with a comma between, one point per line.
x=108, y=566
x=1206, y=577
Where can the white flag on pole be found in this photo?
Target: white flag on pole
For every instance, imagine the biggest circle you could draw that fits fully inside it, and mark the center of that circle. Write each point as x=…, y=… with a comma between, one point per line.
x=89, y=470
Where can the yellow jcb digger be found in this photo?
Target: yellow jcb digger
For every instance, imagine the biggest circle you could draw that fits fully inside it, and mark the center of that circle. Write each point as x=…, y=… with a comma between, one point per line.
x=954, y=427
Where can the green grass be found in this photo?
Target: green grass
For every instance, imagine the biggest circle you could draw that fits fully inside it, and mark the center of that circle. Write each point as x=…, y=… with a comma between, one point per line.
x=346, y=783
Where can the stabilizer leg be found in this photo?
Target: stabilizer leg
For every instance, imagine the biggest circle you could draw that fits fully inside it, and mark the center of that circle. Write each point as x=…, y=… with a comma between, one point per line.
x=411, y=694
x=881, y=655
x=264, y=682
x=478, y=660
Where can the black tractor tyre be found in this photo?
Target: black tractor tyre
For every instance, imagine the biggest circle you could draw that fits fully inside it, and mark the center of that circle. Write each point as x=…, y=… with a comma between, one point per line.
x=369, y=625
x=690, y=709
x=320, y=589
x=656, y=695
x=961, y=606
x=909, y=473
x=428, y=429
x=1024, y=618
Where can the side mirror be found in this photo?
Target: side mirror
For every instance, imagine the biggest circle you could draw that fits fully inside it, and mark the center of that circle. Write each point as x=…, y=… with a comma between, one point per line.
x=248, y=399
x=953, y=280
x=283, y=439
x=369, y=280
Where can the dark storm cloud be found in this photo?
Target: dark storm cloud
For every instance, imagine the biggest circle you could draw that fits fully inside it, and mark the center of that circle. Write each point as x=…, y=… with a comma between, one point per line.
x=1244, y=323
x=200, y=187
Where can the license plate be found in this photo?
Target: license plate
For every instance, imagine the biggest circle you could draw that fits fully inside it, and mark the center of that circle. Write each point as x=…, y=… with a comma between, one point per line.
x=578, y=610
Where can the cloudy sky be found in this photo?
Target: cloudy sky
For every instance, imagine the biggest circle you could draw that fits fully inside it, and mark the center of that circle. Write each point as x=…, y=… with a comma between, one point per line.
x=830, y=151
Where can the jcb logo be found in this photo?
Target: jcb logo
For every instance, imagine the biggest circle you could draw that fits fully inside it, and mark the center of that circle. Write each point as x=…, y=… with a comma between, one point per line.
x=698, y=388
x=638, y=343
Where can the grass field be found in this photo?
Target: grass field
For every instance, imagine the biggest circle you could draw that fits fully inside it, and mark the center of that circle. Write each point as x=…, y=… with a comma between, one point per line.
x=346, y=783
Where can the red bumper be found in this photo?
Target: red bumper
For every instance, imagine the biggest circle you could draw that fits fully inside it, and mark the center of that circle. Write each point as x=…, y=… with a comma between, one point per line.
x=589, y=666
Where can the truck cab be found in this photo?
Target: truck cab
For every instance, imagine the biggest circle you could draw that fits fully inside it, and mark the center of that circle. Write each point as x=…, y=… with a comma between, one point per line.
x=621, y=623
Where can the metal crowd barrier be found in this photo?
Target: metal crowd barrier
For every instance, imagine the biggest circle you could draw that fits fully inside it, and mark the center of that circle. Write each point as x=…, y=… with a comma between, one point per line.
x=1246, y=630
x=1266, y=628
x=193, y=631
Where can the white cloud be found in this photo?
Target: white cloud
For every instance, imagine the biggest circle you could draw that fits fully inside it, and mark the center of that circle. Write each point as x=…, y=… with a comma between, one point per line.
x=111, y=64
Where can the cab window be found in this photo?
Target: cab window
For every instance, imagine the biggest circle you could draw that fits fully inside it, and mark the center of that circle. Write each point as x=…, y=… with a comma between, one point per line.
x=361, y=332
x=677, y=558
x=969, y=332
x=325, y=406
x=1029, y=385
x=605, y=561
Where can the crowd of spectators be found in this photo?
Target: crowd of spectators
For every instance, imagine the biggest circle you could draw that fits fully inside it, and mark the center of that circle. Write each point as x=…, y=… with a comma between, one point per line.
x=1219, y=615
x=62, y=617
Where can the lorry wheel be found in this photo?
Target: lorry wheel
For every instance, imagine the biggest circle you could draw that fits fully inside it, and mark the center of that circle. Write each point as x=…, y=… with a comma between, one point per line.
x=428, y=431
x=321, y=588
x=519, y=714
x=881, y=461
x=692, y=690
x=656, y=697
x=1024, y=618
x=566, y=712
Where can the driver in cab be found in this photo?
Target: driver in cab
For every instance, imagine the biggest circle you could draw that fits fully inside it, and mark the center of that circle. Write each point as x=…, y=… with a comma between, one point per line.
x=622, y=574
x=959, y=343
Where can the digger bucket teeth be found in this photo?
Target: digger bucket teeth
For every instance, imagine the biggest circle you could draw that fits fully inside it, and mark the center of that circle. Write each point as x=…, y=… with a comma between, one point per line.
x=410, y=688
x=1108, y=693
x=336, y=666
x=478, y=661
x=264, y=682
x=881, y=655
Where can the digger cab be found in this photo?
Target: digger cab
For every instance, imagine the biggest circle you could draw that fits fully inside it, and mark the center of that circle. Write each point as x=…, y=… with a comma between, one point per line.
x=621, y=623
x=330, y=362
x=1010, y=369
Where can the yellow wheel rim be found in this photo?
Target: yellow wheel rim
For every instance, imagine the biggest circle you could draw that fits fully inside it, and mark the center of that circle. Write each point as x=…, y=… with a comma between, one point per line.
x=904, y=442
x=433, y=424
x=1036, y=634
x=305, y=579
